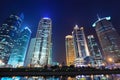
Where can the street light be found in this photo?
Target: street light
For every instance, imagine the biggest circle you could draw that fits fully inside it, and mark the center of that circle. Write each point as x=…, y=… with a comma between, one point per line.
x=110, y=59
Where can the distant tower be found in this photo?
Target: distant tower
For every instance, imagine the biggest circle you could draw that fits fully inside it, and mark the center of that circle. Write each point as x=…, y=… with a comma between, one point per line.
x=81, y=48
x=109, y=39
x=70, y=54
x=8, y=33
x=20, y=48
x=94, y=51
x=43, y=45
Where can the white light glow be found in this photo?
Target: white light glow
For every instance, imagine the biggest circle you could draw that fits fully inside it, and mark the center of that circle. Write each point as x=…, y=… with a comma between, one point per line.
x=94, y=25
x=46, y=18
x=108, y=18
x=28, y=28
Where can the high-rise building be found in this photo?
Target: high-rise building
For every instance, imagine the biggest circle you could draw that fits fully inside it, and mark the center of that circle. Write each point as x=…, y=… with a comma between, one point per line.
x=8, y=34
x=70, y=54
x=94, y=51
x=109, y=39
x=80, y=45
x=42, y=48
x=29, y=54
x=19, y=51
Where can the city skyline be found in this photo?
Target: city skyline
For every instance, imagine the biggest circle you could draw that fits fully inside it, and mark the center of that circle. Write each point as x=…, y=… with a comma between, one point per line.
x=64, y=14
x=42, y=47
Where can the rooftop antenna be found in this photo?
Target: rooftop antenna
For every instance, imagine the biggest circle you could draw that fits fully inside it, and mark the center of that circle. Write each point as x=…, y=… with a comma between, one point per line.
x=98, y=17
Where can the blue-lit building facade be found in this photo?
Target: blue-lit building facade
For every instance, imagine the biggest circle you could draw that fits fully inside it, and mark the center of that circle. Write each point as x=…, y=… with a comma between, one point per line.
x=80, y=45
x=19, y=51
x=109, y=39
x=95, y=51
x=41, y=53
x=13, y=42
x=8, y=33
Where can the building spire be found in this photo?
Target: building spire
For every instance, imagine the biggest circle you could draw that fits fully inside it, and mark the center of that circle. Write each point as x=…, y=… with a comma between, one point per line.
x=98, y=17
x=76, y=27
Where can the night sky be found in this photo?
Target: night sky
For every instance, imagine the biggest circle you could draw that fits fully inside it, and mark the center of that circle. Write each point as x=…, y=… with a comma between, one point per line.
x=64, y=14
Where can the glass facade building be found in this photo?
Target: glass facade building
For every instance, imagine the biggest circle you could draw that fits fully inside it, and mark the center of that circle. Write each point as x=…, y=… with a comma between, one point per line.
x=19, y=51
x=94, y=51
x=109, y=39
x=80, y=45
x=42, y=48
x=29, y=54
x=70, y=53
x=8, y=33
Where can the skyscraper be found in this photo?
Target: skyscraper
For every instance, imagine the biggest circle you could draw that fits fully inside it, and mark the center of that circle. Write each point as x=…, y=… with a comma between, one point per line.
x=42, y=52
x=80, y=44
x=29, y=54
x=19, y=51
x=70, y=54
x=109, y=39
x=8, y=34
x=94, y=51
